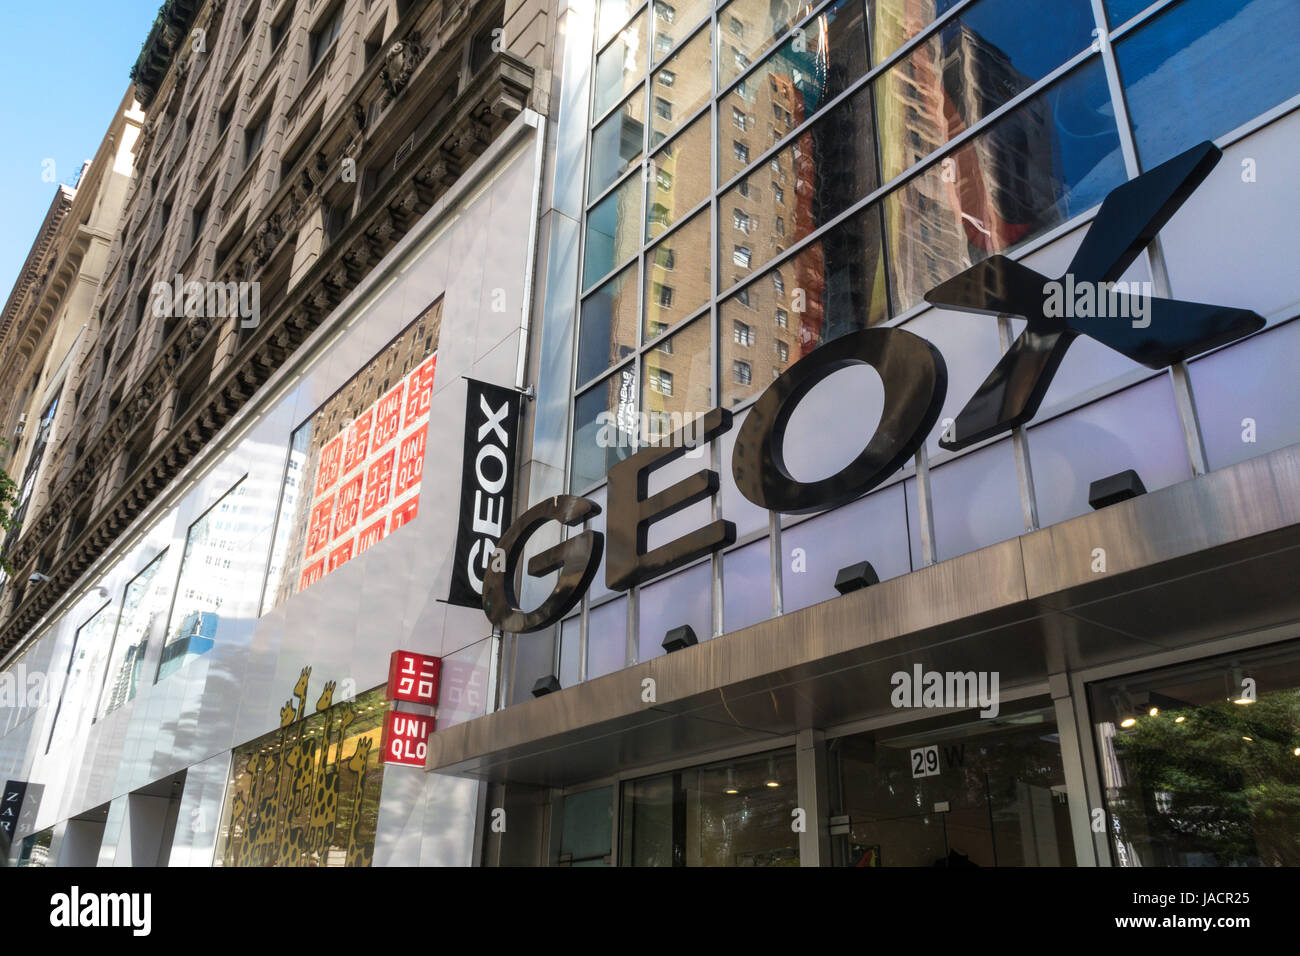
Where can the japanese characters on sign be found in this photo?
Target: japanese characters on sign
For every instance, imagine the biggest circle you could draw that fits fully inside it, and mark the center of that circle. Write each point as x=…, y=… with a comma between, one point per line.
x=367, y=483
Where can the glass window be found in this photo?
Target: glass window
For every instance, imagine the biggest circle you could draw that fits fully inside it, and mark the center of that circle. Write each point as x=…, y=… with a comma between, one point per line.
x=826, y=178
x=586, y=828
x=90, y=649
x=308, y=793
x=976, y=502
x=1137, y=428
x=686, y=161
x=616, y=144
x=324, y=35
x=732, y=813
x=1245, y=414
x=613, y=14
x=680, y=599
x=1119, y=12
x=894, y=22
x=746, y=580
x=36, y=849
x=1202, y=68
x=761, y=23
x=607, y=638
x=604, y=428
x=971, y=66
x=607, y=332
x=621, y=65
x=1001, y=780
x=222, y=559
x=690, y=284
x=686, y=92
x=1200, y=767
x=816, y=548
x=835, y=285
x=675, y=19
x=613, y=235
x=570, y=651
x=1052, y=158
x=355, y=466
x=147, y=599
x=800, y=77
x=681, y=364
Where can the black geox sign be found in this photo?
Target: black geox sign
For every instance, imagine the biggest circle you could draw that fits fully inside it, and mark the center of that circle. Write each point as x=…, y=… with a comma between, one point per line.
x=487, y=486
x=1087, y=300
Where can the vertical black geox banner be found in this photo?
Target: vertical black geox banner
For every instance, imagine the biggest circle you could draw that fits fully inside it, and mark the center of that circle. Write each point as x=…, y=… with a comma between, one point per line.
x=487, y=486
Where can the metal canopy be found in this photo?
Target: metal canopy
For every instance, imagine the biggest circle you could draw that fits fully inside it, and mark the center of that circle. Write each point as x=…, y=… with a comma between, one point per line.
x=1207, y=558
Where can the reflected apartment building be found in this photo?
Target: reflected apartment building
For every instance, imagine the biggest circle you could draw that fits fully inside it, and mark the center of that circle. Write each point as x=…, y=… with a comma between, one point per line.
x=635, y=212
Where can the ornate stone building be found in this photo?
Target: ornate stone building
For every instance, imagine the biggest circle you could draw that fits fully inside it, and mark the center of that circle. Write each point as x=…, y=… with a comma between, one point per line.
x=47, y=317
x=286, y=146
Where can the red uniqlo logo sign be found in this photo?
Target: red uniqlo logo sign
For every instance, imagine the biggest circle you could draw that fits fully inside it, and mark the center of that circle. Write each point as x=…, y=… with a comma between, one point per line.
x=379, y=482
x=420, y=392
x=349, y=506
x=404, y=514
x=340, y=555
x=329, y=466
x=318, y=529
x=388, y=419
x=313, y=574
x=370, y=536
x=410, y=462
x=413, y=677
x=406, y=738
x=358, y=442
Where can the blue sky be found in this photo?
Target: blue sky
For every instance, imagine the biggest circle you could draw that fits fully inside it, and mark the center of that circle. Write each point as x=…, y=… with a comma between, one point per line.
x=66, y=66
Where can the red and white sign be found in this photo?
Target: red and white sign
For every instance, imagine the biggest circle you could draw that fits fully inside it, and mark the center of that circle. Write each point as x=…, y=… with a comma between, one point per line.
x=313, y=574
x=318, y=528
x=406, y=738
x=339, y=555
x=348, y=507
x=420, y=391
x=379, y=485
x=370, y=536
x=368, y=480
x=413, y=677
x=410, y=463
x=388, y=418
x=328, y=472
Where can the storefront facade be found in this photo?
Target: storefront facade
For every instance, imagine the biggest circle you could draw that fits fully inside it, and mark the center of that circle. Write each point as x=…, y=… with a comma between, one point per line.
x=762, y=180
x=213, y=695
x=1021, y=676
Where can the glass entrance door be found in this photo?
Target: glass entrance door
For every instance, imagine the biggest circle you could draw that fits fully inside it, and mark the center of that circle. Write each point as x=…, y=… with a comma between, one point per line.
x=952, y=792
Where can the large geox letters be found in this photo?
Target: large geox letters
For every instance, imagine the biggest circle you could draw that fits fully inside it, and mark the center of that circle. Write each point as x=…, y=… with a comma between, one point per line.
x=915, y=383
x=915, y=380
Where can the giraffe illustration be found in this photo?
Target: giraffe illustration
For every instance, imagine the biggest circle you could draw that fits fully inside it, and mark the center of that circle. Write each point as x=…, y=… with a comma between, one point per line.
x=323, y=818
x=359, y=853
x=308, y=773
x=298, y=758
x=275, y=805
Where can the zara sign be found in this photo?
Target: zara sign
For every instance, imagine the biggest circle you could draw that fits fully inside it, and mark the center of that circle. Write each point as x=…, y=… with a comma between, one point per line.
x=915, y=383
